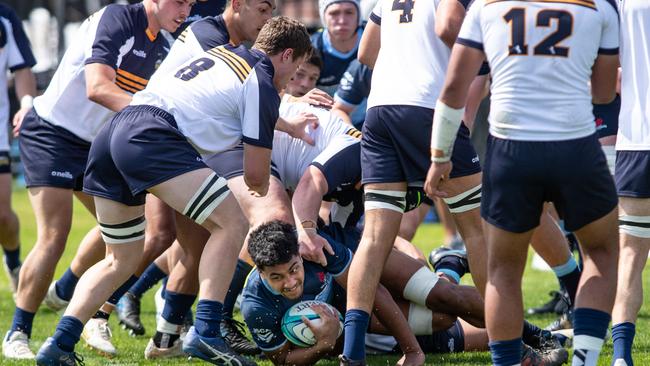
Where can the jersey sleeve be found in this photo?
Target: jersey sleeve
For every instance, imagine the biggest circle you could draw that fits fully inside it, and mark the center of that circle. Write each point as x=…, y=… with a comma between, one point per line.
x=340, y=261
x=340, y=162
x=355, y=84
x=375, y=15
x=261, y=104
x=114, y=30
x=609, y=41
x=17, y=46
x=470, y=34
x=264, y=324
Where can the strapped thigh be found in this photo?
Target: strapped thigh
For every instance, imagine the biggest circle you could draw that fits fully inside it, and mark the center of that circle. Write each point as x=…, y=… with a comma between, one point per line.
x=124, y=233
x=211, y=193
x=468, y=200
x=388, y=200
x=638, y=226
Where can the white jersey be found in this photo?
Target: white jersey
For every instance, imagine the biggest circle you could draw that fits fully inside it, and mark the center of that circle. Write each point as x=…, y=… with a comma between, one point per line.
x=293, y=156
x=541, y=53
x=199, y=37
x=116, y=36
x=15, y=54
x=219, y=99
x=634, y=121
x=412, y=61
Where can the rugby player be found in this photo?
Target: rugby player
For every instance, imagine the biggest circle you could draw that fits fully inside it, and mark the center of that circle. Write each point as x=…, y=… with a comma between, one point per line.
x=143, y=150
x=15, y=56
x=543, y=146
x=116, y=51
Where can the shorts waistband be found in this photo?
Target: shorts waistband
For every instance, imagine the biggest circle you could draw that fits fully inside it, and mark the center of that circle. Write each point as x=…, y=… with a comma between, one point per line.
x=153, y=110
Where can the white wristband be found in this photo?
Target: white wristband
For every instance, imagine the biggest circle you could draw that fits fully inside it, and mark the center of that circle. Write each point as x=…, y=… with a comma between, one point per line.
x=26, y=101
x=446, y=121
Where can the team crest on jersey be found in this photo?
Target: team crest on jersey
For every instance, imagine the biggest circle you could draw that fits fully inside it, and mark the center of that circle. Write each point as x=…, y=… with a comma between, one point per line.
x=264, y=334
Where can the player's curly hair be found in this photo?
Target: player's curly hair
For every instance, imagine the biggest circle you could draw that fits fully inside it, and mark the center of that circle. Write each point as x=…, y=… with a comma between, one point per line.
x=272, y=243
x=280, y=33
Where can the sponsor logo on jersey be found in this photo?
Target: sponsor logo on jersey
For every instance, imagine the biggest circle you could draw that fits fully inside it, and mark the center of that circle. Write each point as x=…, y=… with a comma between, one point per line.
x=140, y=53
x=264, y=334
x=66, y=175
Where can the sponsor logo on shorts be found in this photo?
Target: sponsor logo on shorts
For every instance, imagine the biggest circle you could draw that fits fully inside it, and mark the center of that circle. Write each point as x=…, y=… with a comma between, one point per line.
x=475, y=159
x=140, y=53
x=4, y=161
x=66, y=175
x=450, y=345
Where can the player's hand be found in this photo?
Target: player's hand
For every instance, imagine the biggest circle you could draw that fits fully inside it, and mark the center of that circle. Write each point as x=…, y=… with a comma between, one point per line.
x=296, y=126
x=18, y=120
x=326, y=331
x=311, y=246
x=414, y=358
x=438, y=173
x=318, y=98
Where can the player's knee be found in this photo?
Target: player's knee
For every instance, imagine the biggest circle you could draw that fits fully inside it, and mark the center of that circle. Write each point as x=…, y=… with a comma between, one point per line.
x=8, y=219
x=210, y=194
x=636, y=226
x=157, y=241
x=376, y=199
x=466, y=201
x=419, y=286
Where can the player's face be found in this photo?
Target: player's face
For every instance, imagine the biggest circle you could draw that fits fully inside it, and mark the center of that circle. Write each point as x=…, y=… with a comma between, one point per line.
x=286, y=69
x=341, y=20
x=254, y=14
x=287, y=278
x=172, y=13
x=303, y=80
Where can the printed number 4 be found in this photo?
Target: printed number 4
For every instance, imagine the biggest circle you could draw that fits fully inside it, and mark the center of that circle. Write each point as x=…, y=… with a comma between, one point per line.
x=516, y=17
x=406, y=7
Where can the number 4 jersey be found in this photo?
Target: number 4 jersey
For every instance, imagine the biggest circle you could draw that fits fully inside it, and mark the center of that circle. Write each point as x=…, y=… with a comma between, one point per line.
x=218, y=99
x=412, y=60
x=541, y=53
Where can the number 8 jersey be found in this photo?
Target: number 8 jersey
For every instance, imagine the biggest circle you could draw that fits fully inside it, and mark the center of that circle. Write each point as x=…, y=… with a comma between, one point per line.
x=412, y=61
x=541, y=53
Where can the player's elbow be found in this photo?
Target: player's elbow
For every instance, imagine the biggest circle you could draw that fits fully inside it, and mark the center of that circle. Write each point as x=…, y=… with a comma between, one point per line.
x=257, y=181
x=447, y=33
x=603, y=96
x=94, y=92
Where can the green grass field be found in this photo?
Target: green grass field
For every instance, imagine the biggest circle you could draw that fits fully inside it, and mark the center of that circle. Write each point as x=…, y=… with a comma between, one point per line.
x=130, y=350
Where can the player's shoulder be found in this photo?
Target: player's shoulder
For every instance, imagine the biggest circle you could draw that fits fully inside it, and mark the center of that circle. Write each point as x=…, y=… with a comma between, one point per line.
x=129, y=15
x=243, y=62
x=210, y=31
x=8, y=13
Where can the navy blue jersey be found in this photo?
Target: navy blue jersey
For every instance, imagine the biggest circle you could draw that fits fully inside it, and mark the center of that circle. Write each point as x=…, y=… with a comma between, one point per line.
x=334, y=62
x=263, y=308
x=202, y=9
x=116, y=36
x=354, y=89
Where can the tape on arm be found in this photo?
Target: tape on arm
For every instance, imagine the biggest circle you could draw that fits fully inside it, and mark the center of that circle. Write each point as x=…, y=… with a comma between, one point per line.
x=446, y=121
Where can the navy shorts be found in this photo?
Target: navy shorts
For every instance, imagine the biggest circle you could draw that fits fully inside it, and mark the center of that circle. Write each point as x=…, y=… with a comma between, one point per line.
x=138, y=149
x=52, y=156
x=5, y=162
x=519, y=176
x=395, y=146
x=230, y=163
x=632, y=174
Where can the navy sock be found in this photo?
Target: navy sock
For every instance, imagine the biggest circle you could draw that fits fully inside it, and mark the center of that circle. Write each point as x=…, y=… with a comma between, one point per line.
x=65, y=285
x=506, y=353
x=115, y=297
x=623, y=337
x=236, y=285
x=569, y=276
x=23, y=321
x=356, y=324
x=164, y=287
x=589, y=331
x=208, y=318
x=12, y=258
x=149, y=278
x=452, y=267
x=177, y=306
x=68, y=332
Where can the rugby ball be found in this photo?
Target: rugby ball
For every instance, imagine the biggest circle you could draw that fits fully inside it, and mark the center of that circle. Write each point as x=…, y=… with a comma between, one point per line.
x=296, y=331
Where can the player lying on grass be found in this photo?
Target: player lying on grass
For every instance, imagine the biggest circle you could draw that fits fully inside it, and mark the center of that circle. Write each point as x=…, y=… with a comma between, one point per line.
x=283, y=279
